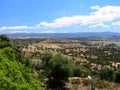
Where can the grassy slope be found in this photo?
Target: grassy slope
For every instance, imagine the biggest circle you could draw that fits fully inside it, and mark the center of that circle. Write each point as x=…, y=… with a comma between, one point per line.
x=14, y=75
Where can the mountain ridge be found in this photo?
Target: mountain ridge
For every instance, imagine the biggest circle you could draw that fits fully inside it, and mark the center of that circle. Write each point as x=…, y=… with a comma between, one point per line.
x=60, y=35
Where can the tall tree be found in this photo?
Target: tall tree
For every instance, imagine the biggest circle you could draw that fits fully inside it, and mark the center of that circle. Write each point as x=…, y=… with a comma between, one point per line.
x=61, y=69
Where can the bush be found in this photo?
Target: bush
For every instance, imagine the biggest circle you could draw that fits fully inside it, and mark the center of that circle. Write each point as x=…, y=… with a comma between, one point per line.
x=106, y=74
x=102, y=84
x=75, y=81
x=86, y=82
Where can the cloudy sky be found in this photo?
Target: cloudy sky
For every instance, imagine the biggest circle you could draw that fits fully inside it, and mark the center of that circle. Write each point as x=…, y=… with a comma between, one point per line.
x=59, y=16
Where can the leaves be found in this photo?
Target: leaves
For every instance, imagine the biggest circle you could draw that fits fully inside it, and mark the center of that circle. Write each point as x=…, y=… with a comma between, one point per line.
x=14, y=75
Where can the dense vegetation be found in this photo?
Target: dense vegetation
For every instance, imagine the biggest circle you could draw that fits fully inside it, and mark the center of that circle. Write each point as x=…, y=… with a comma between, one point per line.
x=105, y=54
x=13, y=74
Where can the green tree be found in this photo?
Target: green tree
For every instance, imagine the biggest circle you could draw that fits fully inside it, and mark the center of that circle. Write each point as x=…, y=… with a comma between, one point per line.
x=117, y=76
x=29, y=62
x=106, y=74
x=60, y=70
x=5, y=41
x=3, y=37
x=46, y=58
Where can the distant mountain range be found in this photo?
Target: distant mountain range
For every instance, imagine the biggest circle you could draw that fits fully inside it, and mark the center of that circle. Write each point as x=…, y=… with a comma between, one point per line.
x=63, y=35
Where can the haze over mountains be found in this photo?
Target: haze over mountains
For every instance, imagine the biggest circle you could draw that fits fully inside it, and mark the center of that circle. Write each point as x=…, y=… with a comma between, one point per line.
x=63, y=35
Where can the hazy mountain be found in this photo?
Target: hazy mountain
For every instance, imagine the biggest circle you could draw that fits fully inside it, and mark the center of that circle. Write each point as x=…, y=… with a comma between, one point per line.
x=60, y=35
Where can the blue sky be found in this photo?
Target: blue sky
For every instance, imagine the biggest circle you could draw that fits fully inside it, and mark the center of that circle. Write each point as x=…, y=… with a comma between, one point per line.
x=59, y=16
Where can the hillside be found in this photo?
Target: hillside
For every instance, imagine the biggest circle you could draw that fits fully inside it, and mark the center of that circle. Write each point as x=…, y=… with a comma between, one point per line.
x=83, y=58
x=13, y=74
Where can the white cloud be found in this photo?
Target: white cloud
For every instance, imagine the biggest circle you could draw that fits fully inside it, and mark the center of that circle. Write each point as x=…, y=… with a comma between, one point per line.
x=19, y=32
x=3, y=28
x=99, y=25
x=61, y=22
x=116, y=23
x=15, y=27
x=102, y=15
x=95, y=7
x=107, y=13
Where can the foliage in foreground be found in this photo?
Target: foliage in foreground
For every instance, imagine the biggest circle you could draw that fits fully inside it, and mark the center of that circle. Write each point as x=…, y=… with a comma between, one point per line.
x=13, y=74
x=58, y=69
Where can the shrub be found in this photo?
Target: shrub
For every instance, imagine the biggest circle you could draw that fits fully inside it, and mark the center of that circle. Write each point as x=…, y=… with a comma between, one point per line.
x=102, y=84
x=86, y=82
x=75, y=81
x=106, y=74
